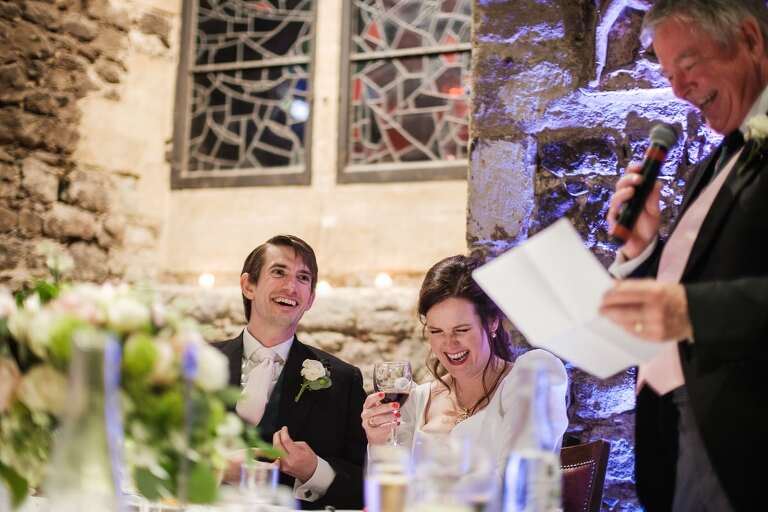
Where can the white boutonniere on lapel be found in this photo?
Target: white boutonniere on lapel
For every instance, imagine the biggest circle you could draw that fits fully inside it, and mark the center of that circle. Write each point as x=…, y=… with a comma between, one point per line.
x=316, y=376
x=756, y=137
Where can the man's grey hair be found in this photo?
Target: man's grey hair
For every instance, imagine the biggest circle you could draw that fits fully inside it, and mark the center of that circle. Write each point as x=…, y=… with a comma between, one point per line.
x=720, y=19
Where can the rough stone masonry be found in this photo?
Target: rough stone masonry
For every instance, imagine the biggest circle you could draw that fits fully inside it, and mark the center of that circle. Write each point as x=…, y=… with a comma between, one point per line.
x=52, y=55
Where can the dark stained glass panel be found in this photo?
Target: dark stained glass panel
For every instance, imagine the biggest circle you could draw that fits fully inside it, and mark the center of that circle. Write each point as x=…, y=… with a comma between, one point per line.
x=233, y=31
x=409, y=109
x=380, y=25
x=249, y=118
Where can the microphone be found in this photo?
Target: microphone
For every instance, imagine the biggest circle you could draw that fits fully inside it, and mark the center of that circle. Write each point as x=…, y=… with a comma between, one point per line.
x=663, y=137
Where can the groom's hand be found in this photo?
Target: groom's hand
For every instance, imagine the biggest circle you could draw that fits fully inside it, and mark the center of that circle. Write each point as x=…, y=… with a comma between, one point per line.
x=299, y=461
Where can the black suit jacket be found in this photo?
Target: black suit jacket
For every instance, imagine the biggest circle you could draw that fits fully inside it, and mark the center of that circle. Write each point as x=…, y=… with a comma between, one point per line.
x=328, y=420
x=726, y=283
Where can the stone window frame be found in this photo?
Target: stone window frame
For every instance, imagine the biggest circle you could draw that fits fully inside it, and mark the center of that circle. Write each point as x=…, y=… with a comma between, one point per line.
x=180, y=178
x=435, y=170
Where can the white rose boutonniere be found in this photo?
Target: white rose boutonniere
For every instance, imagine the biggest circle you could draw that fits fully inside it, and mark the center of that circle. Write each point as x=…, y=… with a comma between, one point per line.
x=757, y=128
x=756, y=136
x=315, y=377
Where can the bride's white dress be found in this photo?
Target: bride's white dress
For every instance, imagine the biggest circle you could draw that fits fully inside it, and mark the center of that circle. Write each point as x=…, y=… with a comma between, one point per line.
x=505, y=419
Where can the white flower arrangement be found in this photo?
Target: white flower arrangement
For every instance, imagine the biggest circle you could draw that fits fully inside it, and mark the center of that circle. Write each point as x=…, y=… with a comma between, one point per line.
x=316, y=377
x=36, y=329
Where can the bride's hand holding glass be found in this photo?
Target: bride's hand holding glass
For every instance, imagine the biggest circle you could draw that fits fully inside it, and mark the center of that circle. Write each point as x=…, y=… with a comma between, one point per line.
x=379, y=419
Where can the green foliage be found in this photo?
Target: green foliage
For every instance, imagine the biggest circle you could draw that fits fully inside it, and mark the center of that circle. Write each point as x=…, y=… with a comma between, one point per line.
x=321, y=383
x=4, y=333
x=16, y=484
x=229, y=395
x=148, y=485
x=216, y=412
x=202, y=485
x=162, y=409
x=314, y=385
x=46, y=290
x=264, y=448
x=60, y=345
x=139, y=356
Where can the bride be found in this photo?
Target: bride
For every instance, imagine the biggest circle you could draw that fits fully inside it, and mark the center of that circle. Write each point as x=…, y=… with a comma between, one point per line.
x=477, y=393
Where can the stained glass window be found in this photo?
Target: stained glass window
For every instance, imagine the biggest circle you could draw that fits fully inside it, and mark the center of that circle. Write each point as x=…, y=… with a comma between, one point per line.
x=408, y=108
x=242, y=97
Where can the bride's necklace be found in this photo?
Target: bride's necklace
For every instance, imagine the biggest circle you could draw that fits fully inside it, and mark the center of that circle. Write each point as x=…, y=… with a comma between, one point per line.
x=463, y=413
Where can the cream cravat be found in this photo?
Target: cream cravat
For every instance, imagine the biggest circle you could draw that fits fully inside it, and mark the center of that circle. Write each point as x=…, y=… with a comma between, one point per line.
x=664, y=373
x=259, y=382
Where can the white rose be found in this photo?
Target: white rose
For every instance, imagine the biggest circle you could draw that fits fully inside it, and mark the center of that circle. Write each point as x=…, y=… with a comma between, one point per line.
x=228, y=439
x=757, y=127
x=44, y=389
x=126, y=314
x=312, y=369
x=232, y=426
x=7, y=303
x=56, y=258
x=159, y=314
x=39, y=334
x=18, y=323
x=212, y=368
x=60, y=263
x=164, y=371
x=10, y=376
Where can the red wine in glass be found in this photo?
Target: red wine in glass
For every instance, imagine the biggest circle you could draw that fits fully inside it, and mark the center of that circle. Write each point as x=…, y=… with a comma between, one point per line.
x=394, y=379
x=394, y=397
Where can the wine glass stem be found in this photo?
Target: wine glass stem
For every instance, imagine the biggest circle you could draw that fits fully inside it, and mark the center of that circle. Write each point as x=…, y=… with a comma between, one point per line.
x=393, y=436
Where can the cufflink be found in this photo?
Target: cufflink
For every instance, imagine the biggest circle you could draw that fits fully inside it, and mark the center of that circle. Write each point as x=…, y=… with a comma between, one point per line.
x=307, y=494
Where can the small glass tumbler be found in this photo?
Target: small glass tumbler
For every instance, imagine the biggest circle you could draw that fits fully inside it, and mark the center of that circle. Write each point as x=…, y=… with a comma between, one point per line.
x=257, y=475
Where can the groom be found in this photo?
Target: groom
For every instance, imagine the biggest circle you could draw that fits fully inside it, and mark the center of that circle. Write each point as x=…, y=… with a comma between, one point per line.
x=320, y=433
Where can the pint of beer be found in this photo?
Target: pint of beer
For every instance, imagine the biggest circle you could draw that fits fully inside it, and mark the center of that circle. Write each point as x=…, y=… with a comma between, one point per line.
x=386, y=479
x=385, y=493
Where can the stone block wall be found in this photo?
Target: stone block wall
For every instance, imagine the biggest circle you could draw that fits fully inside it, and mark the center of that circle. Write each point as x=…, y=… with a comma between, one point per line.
x=55, y=55
x=563, y=100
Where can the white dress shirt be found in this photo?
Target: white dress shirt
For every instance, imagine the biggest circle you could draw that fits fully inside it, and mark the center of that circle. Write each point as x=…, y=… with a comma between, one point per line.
x=317, y=485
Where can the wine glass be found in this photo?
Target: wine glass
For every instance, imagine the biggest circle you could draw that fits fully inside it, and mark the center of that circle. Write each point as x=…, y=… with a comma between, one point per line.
x=394, y=379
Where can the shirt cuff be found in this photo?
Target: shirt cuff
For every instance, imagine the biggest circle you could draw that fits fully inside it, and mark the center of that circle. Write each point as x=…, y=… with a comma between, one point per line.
x=622, y=267
x=317, y=485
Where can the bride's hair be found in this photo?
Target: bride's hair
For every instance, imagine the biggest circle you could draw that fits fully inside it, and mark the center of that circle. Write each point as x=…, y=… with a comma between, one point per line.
x=452, y=278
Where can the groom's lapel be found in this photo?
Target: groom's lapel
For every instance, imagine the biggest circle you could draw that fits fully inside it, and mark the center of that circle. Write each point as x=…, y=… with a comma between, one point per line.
x=293, y=414
x=233, y=349
x=740, y=176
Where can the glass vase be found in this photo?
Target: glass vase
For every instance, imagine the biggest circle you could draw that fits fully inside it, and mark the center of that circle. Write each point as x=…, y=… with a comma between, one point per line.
x=85, y=468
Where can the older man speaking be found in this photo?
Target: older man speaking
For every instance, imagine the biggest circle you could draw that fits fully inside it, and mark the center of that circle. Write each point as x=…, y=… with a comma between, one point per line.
x=702, y=408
